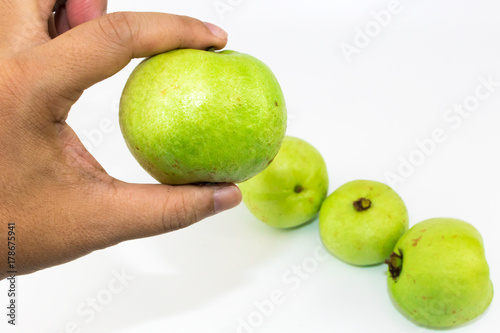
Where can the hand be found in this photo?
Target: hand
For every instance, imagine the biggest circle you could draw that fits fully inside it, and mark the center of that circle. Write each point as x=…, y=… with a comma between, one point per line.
x=63, y=203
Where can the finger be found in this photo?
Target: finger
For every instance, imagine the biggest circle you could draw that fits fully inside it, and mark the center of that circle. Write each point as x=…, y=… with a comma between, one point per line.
x=146, y=210
x=81, y=11
x=100, y=48
x=61, y=20
x=77, y=12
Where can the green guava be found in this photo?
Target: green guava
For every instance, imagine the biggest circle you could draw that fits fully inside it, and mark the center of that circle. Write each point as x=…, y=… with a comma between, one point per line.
x=192, y=116
x=438, y=274
x=361, y=221
x=290, y=191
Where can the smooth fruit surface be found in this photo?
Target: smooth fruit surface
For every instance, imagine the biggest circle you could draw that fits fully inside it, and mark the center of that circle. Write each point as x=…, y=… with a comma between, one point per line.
x=193, y=116
x=438, y=274
x=289, y=192
x=361, y=221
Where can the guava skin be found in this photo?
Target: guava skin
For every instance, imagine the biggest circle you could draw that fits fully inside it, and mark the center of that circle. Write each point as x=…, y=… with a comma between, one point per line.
x=192, y=116
x=361, y=221
x=290, y=191
x=443, y=279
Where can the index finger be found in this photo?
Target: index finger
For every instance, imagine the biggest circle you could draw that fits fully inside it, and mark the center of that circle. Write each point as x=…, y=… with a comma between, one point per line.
x=71, y=13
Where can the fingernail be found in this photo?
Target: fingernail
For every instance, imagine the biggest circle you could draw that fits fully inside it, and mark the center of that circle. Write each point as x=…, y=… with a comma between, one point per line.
x=216, y=30
x=226, y=198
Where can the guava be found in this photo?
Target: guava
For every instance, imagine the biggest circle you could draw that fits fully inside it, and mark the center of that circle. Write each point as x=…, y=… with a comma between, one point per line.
x=438, y=274
x=361, y=221
x=191, y=116
x=289, y=192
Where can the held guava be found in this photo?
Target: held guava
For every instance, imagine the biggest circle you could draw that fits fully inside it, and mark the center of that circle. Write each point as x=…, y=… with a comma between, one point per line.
x=361, y=221
x=438, y=274
x=289, y=192
x=192, y=116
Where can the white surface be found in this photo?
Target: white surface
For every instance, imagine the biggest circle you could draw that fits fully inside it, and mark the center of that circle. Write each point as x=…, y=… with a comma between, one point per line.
x=361, y=115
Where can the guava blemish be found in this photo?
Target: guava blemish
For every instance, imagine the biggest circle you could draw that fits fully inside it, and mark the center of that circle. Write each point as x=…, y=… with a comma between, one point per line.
x=362, y=204
x=416, y=240
x=276, y=103
x=395, y=263
x=298, y=189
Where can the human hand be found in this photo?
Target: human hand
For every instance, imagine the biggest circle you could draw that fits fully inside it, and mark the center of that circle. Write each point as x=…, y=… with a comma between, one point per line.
x=63, y=203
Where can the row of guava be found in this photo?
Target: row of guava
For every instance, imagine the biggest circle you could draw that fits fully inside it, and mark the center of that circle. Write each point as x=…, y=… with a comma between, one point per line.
x=193, y=116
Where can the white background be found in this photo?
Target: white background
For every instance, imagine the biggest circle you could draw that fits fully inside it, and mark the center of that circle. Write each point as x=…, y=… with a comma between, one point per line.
x=363, y=115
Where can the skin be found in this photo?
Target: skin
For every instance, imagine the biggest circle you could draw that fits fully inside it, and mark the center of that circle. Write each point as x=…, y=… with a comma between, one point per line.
x=365, y=237
x=444, y=279
x=290, y=191
x=198, y=116
x=62, y=201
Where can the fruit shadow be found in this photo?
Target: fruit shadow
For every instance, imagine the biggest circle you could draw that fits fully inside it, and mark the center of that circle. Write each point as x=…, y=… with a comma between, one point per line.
x=204, y=266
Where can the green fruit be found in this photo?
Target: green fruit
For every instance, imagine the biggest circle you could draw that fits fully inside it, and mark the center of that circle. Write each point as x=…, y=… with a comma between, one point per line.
x=290, y=191
x=438, y=274
x=193, y=116
x=361, y=222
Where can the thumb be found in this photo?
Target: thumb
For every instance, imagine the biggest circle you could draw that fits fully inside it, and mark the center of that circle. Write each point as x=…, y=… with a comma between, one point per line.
x=140, y=210
x=98, y=49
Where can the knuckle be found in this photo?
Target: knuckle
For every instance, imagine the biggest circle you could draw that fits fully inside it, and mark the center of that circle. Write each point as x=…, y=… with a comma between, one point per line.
x=177, y=25
x=180, y=213
x=184, y=30
x=119, y=28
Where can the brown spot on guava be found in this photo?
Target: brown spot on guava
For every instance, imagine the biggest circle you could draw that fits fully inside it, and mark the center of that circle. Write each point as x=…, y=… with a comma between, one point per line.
x=276, y=103
x=423, y=230
x=164, y=91
x=416, y=240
